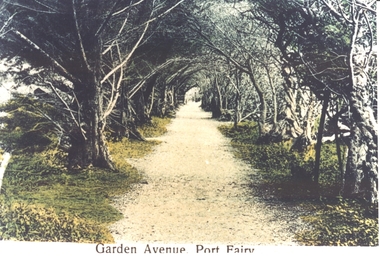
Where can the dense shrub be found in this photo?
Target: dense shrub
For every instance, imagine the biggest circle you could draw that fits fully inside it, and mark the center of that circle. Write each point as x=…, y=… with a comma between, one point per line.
x=33, y=223
x=25, y=129
x=345, y=223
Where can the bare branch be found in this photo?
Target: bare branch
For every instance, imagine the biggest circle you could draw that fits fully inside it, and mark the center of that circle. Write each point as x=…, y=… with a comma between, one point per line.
x=84, y=57
x=115, y=93
x=142, y=82
x=127, y=7
x=126, y=60
x=107, y=19
x=336, y=14
x=116, y=37
x=64, y=72
x=6, y=24
x=52, y=11
x=64, y=103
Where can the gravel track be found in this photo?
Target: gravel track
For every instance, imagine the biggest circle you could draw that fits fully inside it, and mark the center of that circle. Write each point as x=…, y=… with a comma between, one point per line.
x=197, y=191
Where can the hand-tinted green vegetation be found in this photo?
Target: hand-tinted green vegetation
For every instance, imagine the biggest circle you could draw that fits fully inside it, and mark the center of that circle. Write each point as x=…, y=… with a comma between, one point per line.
x=155, y=128
x=341, y=223
x=43, y=201
x=286, y=175
x=301, y=70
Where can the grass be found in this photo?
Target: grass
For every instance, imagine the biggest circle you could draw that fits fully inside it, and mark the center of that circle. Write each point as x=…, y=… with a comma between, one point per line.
x=341, y=222
x=285, y=175
x=155, y=128
x=38, y=187
x=84, y=194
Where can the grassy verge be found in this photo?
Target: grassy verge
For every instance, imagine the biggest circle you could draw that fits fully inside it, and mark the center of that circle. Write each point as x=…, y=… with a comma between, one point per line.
x=155, y=128
x=42, y=201
x=286, y=176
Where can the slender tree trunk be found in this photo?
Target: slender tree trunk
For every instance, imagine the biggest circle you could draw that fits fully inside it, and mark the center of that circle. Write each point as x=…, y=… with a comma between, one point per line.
x=151, y=101
x=220, y=102
x=337, y=144
x=263, y=131
x=318, y=145
x=237, y=109
x=274, y=97
x=3, y=166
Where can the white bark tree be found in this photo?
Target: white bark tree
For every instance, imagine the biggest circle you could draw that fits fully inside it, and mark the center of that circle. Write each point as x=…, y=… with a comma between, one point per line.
x=330, y=44
x=361, y=177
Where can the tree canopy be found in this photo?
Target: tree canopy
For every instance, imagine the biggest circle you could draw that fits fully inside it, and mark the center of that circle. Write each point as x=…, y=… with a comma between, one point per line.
x=302, y=70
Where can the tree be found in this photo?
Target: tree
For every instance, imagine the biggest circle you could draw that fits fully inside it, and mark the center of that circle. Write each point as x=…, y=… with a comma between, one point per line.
x=239, y=41
x=5, y=19
x=361, y=175
x=330, y=46
x=89, y=45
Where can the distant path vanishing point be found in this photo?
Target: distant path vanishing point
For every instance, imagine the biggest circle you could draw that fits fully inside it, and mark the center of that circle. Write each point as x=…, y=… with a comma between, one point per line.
x=197, y=191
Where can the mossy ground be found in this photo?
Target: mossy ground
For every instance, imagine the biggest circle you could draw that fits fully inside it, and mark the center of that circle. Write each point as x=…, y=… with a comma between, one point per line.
x=285, y=175
x=155, y=128
x=37, y=187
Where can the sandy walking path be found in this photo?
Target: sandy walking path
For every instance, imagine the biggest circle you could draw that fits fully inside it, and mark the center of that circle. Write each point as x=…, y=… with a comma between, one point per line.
x=197, y=191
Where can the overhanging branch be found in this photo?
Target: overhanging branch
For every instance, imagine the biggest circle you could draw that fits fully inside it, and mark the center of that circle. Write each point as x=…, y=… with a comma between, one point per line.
x=54, y=62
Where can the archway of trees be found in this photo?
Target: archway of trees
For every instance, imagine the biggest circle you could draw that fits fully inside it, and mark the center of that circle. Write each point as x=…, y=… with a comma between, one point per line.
x=302, y=70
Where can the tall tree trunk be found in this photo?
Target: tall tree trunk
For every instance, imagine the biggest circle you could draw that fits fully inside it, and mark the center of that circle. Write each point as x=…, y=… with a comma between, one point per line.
x=88, y=147
x=318, y=145
x=263, y=129
x=289, y=127
x=220, y=99
x=309, y=108
x=337, y=144
x=361, y=176
x=274, y=97
x=237, y=109
x=152, y=100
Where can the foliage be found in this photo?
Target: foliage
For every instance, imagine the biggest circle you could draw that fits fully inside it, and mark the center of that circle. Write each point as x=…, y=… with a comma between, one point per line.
x=25, y=126
x=85, y=194
x=343, y=223
x=278, y=159
x=120, y=151
x=156, y=127
x=44, y=201
x=246, y=132
x=79, y=55
x=38, y=188
x=23, y=222
x=286, y=175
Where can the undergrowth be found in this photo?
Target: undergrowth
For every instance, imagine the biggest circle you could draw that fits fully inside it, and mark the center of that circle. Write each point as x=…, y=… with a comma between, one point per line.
x=43, y=201
x=35, y=191
x=156, y=127
x=341, y=222
x=286, y=175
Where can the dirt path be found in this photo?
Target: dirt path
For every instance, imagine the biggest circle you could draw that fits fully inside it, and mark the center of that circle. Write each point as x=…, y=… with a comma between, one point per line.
x=197, y=191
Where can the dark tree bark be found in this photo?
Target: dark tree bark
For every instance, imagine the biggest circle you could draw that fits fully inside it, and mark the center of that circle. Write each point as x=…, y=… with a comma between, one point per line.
x=318, y=145
x=88, y=43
